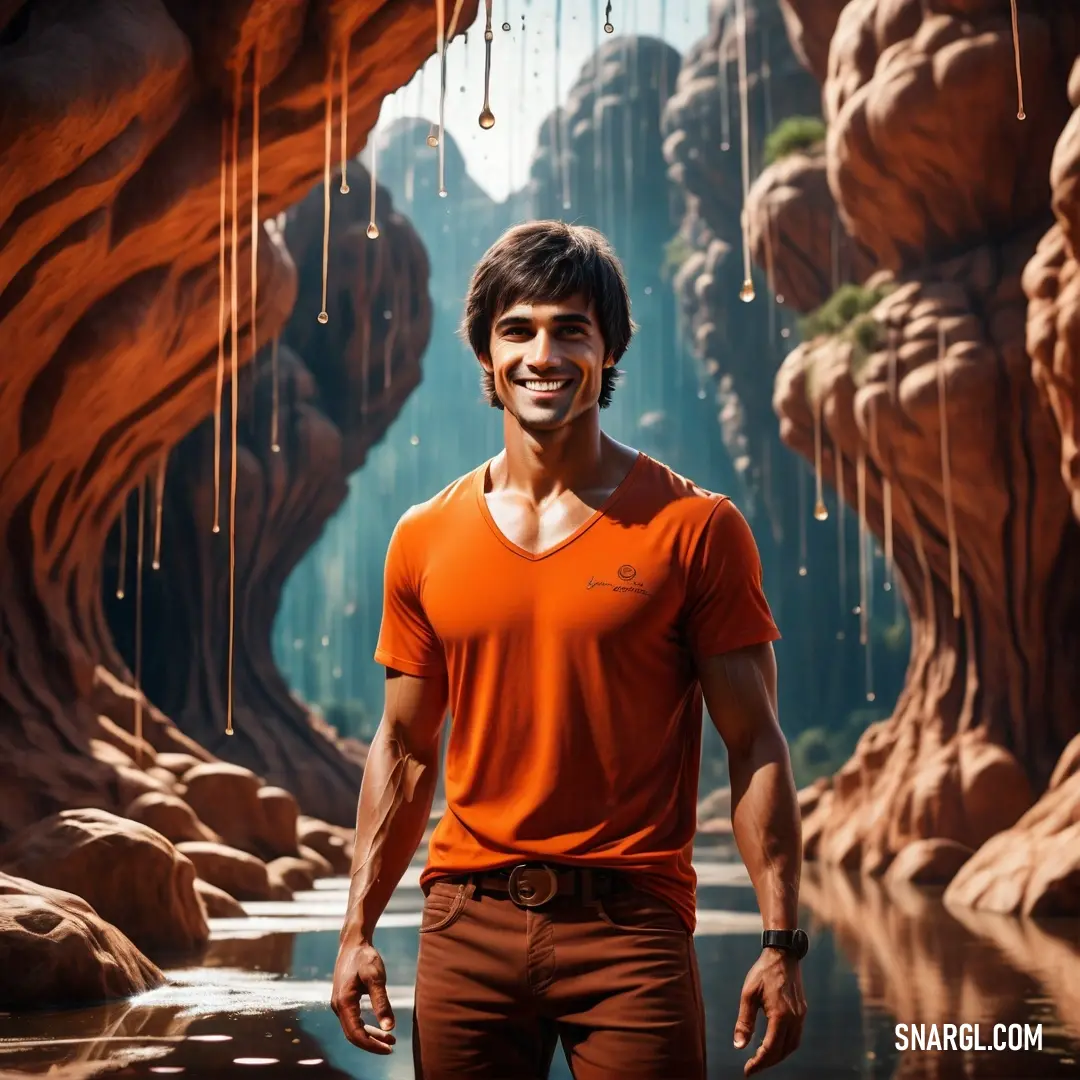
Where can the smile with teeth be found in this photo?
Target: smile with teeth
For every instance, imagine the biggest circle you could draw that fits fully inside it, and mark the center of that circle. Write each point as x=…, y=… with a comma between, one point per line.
x=544, y=386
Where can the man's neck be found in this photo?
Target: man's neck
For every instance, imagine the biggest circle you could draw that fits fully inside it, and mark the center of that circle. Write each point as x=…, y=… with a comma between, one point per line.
x=543, y=464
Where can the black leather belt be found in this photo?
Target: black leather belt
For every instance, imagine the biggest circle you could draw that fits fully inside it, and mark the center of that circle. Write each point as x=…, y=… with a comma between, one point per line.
x=531, y=885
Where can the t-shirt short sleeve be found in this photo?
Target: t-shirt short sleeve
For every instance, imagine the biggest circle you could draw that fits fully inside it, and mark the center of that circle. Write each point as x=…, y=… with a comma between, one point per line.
x=407, y=641
x=725, y=604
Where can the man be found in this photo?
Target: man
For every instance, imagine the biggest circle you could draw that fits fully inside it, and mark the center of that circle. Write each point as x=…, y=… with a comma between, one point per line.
x=570, y=602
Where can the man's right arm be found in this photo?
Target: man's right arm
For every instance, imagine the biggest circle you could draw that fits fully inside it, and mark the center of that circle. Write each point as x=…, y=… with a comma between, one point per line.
x=395, y=805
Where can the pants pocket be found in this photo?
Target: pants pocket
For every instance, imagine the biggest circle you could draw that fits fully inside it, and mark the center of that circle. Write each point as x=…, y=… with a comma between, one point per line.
x=443, y=906
x=640, y=912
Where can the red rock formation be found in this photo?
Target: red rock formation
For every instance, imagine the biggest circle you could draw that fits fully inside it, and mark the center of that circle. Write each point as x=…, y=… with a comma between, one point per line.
x=332, y=407
x=132, y=876
x=810, y=27
x=109, y=196
x=59, y=951
x=921, y=110
x=796, y=236
x=1034, y=867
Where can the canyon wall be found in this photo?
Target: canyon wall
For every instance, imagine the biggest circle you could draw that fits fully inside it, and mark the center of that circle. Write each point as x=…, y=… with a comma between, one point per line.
x=923, y=388
x=110, y=188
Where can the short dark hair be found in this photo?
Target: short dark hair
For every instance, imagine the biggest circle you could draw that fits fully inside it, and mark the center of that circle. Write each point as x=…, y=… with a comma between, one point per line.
x=549, y=261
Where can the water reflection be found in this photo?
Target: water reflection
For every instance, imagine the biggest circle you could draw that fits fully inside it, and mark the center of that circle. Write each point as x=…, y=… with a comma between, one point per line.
x=259, y=1000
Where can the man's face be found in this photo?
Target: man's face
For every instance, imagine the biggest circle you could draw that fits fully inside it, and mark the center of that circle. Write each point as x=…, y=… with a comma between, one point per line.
x=547, y=360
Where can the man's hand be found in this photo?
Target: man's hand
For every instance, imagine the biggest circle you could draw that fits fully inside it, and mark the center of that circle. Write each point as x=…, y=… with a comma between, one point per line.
x=774, y=985
x=359, y=970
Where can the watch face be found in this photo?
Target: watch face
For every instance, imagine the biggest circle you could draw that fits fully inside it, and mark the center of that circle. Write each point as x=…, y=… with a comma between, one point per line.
x=800, y=943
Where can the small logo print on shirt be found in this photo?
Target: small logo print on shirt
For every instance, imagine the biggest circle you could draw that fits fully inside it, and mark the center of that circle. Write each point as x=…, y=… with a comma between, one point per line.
x=627, y=583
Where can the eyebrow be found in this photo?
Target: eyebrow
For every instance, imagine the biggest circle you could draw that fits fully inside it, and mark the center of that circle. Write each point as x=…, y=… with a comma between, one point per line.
x=509, y=321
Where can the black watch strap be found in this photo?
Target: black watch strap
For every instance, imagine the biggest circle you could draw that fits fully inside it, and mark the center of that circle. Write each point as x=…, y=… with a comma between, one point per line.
x=793, y=941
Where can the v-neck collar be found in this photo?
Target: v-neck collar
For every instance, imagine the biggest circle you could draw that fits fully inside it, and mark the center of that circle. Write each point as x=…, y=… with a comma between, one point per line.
x=480, y=483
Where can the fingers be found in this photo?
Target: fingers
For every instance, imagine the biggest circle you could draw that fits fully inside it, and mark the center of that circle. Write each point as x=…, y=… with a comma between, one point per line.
x=346, y=1006
x=748, y=1009
x=771, y=1049
x=782, y=1037
x=380, y=1005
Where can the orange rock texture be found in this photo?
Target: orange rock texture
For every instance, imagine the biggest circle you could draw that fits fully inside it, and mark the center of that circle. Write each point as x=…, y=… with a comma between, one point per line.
x=115, y=121
x=109, y=293
x=930, y=396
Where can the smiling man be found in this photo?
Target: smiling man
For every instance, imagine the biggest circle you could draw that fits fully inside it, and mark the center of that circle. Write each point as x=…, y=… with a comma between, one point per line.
x=570, y=602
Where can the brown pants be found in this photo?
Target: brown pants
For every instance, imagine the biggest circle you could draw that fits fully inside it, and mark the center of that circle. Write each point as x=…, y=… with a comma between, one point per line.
x=497, y=985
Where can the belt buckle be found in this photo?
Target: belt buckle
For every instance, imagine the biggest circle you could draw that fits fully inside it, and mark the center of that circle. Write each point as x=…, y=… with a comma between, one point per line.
x=531, y=886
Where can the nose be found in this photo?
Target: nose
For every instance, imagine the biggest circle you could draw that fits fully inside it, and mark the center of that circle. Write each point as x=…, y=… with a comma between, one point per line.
x=544, y=352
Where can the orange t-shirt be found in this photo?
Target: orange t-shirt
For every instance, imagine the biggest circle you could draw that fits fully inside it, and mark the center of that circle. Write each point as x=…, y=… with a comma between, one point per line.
x=576, y=713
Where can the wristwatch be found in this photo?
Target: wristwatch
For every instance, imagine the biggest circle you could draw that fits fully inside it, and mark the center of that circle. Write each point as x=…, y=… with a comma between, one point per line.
x=793, y=941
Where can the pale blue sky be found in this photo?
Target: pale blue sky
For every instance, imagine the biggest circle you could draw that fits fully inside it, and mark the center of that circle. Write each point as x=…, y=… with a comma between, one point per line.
x=499, y=159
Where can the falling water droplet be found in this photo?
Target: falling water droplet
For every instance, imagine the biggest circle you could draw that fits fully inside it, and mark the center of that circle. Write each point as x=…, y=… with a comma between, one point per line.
x=138, y=726
x=344, y=125
x=442, y=195
x=328, y=125
x=487, y=117
x=747, y=292
x=701, y=394
x=870, y=695
x=274, y=394
x=414, y=440
x=506, y=26
x=433, y=136
x=821, y=512
x=234, y=379
x=122, y=562
x=159, y=501
x=802, y=571
x=1020, y=114
x=220, y=381
x=373, y=231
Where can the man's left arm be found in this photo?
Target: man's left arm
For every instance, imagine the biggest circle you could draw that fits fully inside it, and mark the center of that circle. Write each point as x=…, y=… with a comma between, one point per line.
x=730, y=632
x=740, y=694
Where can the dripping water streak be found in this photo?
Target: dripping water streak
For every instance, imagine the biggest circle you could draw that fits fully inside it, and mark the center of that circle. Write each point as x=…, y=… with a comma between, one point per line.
x=821, y=512
x=747, y=292
x=841, y=547
x=234, y=375
x=802, y=518
x=563, y=152
x=487, y=117
x=328, y=124
x=159, y=507
x=373, y=228
x=440, y=45
x=725, y=95
x=122, y=563
x=444, y=37
x=946, y=476
x=140, y=530
x=256, y=70
x=860, y=480
x=274, y=394
x=886, y=498
x=769, y=271
x=1020, y=114
x=220, y=383
x=344, y=125
x=766, y=78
